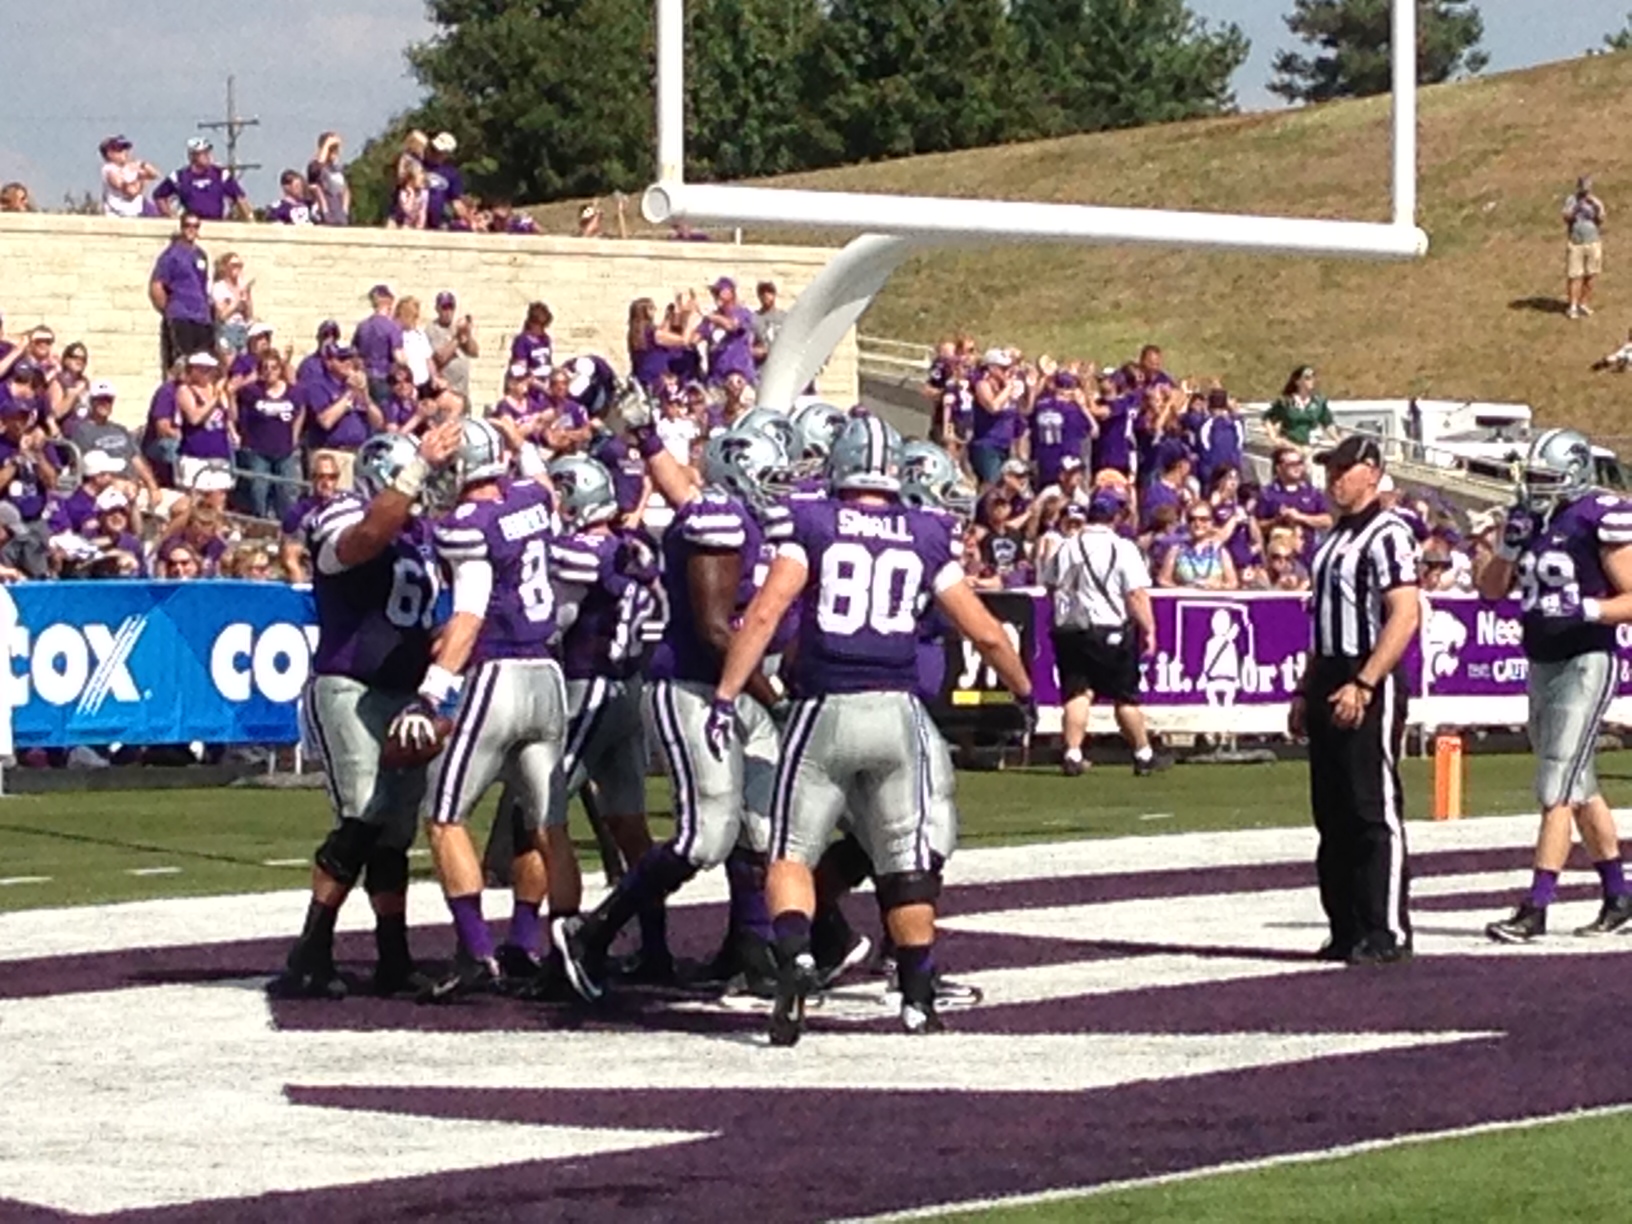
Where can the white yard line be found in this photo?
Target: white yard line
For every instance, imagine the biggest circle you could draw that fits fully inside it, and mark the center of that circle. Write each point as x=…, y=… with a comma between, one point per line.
x=10, y=881
x=153, y=871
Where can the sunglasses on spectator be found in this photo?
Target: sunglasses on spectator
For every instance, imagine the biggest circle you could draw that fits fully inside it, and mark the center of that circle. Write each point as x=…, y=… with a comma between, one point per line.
x=1280, y=556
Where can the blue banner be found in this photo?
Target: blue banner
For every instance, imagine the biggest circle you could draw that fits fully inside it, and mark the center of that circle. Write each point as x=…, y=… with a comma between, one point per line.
x=158, y=662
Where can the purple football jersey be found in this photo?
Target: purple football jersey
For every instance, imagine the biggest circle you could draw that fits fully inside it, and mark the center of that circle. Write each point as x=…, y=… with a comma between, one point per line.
x=712, y=522
x=532, y=351
x=1113, y=448
x=266, y=422
x=204, y=192
x=627, y=468
x=870, y=570
x=1059, y=427
x=1561, y=566
x=613, y=608
x=512, y=534
x=374, y=620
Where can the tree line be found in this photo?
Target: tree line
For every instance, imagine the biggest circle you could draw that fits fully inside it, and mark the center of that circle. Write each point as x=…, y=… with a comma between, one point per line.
x=553, y=98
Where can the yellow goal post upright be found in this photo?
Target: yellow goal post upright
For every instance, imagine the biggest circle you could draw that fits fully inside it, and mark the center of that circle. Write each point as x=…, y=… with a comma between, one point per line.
x=898, y=226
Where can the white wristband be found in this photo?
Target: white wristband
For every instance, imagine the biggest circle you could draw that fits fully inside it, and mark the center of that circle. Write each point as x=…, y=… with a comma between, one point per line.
x=440, y=685
x=1592, y=610
x=410, y=482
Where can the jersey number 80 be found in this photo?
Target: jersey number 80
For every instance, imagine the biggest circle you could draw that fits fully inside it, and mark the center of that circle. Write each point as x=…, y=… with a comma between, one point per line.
x=859, y=590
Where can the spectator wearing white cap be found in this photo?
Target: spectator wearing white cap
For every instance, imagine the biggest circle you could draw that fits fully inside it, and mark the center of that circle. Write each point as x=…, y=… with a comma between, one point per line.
x=999, y=397
x=453, y=344
x=444, y=185
x=98, y=475
x=207, y=435
x=202, y=188
x=111, y=530
x=245, y=367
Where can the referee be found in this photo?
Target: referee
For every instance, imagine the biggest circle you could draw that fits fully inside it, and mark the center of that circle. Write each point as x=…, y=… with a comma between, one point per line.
x=1352, y=708
x=1102, y=626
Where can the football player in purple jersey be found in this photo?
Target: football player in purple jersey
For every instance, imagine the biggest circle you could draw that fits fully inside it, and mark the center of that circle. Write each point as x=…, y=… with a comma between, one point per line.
x=511, y=719
x=375, y=581
x=1565, y=546
x=710, y=555
x=862, y=565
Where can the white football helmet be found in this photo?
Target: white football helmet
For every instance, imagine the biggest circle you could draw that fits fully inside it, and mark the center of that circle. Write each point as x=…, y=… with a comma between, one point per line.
x=481, y=454
x=379, y=460
x=866, y=457
x=930, y=479
x=816, y=426
x=1558, y=469
x=584, y=490
x=777, y=425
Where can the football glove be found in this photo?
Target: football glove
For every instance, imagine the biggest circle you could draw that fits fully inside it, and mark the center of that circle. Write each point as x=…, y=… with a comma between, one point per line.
x=1517, y=529
x=415, y=735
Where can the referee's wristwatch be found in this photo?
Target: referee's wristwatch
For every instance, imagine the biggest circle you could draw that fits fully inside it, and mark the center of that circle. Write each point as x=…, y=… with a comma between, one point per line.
x=1365, y=686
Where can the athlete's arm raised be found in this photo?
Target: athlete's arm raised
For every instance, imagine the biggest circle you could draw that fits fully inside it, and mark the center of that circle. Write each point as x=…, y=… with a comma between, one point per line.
x=388, y=512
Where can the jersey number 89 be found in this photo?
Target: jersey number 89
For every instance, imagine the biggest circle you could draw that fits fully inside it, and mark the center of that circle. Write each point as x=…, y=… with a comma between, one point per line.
x=1547, y=584
x=859, y=590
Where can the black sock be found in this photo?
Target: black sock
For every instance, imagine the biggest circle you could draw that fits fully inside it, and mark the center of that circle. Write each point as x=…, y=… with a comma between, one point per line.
x=915, y=969
x=315, y=947
x=792, y=936
x=649, y=881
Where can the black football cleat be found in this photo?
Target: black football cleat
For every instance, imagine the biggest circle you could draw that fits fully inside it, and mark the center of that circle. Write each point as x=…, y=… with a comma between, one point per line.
x=1072, y=767
x=300, y=982
x=920, y=1019
x=394, y=980
x=1335, y=951
x=839, y=961
x=647, y=969
x=582, y=967
x=517, y=966
x=1528, y=922
x=469, y=976
x=1150, y=765
x=793, y=986
x=1615, y=916
x=955, y=995
x=1370, y=952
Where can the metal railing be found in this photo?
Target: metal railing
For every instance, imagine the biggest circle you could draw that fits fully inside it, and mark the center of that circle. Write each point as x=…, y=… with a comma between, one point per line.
x=899, y=361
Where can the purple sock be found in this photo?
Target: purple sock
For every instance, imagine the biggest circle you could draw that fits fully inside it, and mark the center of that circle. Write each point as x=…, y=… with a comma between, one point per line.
x=526, y=931
x=1613, y=877
x=1543, y=888
x=471, y=927
x=745, y=873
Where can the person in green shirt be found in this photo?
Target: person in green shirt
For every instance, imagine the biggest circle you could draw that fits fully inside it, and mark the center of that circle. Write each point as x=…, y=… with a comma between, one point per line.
x=1300, y=411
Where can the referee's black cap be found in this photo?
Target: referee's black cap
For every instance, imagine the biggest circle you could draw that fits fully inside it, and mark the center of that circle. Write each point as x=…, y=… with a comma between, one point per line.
x=1356, y=448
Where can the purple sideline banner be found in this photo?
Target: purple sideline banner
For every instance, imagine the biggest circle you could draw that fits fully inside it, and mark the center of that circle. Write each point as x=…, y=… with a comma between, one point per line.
x=1228, y=649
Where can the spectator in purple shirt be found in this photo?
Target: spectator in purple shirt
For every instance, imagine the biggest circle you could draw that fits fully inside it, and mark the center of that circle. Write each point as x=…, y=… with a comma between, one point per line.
x=1060, y=425
x=1170, y=488
x=180, y=291
x=24, y=391
x=378, y=341
x=403, y=410
x=161, y=438
x=998, y=422
x=445, y=204
x=653, y=348
x=1290, y=500
x=311, y=365
x=26, y=472
x=292, y=207
x=1220, y=435
x=202, y=188
x=110, y=530
x=729, y=332
x=340, y=414
x=534, y=338
x=246, y=366
x=207, y=434
x=504, y=219
x=569, y=428
x=271, y=416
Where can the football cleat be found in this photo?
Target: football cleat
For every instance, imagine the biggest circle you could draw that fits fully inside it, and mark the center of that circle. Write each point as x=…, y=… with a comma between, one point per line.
x=1335, y=951
x=830, y=970
x=392, y=980
x=1615, y=915
x=1368, y=952
x=920, y=1019
x=322, y=982
x=1527, y=923
x=954, y=995
x=583, y=971
x=1150, y=765
x=469, y=976
x=793, y=986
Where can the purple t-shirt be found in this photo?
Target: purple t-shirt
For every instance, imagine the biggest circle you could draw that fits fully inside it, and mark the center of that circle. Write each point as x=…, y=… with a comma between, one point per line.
x=1059, y=427
x=443, y=185
x=291, y=212
x=647, y=365
x=1304, y=498
x=266, y=422
x=347, y=433
x=183, y=270
x=79, y=507
x=203, y=192
x=526, y=348
x=731, y=349
x=1218, y=441
x=628, y=469
x=712, y=522
x=399, y=410
x=243, y=365
x=162, y=407
x=1239, y=542
x=870, y=569
x=999, y=428
x=1158, y=494
x=376, y=339
x=295, y=520
x=1113, y=449
x=209, y=438
x=374, y=620
x=514, y=535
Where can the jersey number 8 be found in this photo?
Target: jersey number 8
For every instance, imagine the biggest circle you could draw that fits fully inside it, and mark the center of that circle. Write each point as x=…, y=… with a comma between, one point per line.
x=859, y=590
x=537, y=596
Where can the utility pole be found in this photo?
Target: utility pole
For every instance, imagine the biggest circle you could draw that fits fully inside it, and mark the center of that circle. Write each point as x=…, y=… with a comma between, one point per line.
x=232, y=125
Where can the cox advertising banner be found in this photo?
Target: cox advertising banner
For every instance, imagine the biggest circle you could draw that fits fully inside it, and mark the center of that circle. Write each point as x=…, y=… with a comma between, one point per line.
x=158, y=662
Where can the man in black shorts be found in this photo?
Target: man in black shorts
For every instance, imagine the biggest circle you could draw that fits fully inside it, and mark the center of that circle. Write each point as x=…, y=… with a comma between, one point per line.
x=1102, y=626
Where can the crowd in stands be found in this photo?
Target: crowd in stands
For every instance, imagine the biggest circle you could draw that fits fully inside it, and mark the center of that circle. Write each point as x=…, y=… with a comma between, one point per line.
x=1044, y=440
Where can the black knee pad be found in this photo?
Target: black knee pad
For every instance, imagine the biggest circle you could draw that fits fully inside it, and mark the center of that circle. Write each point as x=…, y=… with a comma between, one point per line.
x=387, y=872
x=844, y=864
x=344, y=853
x=908, y=888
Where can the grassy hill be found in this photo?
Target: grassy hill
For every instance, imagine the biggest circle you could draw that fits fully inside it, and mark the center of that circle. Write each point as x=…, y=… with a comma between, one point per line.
x=1480, y=318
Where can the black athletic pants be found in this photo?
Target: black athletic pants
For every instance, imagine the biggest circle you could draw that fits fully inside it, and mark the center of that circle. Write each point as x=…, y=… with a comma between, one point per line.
x=1354, y=789
x=180, y=338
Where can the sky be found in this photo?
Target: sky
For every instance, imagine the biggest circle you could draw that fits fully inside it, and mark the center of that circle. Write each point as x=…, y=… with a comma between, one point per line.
x=79, y=70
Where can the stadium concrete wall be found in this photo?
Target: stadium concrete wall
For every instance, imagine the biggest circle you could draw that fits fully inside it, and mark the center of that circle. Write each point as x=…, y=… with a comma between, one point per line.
x=87, y=278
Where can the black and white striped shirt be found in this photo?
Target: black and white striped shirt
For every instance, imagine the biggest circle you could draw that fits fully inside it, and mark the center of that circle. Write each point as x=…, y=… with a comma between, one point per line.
x=1366, y=555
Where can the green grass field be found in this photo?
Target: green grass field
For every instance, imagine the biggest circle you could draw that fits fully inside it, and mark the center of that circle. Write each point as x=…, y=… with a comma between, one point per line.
x=76, y=849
